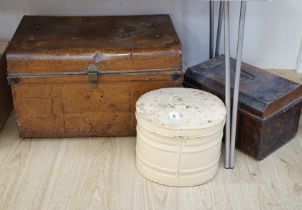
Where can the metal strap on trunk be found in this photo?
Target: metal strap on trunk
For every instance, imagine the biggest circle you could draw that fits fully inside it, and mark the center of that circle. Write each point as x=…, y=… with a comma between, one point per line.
x=92, y=71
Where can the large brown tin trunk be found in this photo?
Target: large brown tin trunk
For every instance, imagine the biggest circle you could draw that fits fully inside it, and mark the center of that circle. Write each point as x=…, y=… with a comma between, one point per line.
x=81, y=76
x=269, y=106
x=6, y=104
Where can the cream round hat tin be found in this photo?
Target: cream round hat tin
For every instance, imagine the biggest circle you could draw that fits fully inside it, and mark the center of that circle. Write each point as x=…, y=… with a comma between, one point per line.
x=179, y=134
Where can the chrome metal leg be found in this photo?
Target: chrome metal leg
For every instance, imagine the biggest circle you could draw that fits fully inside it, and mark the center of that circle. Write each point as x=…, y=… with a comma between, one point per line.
x=227, y=82
x=211, y=52
x=218, y=35
x=237, y=81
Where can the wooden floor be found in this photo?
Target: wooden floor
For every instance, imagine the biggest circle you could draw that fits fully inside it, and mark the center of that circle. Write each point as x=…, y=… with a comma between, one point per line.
x=100, y=173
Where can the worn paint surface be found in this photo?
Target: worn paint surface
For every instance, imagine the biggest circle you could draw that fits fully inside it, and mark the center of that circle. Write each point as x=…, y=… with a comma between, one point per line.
x=53, y=95
x=195, y=109
x=68, y=44
x=269, y=106
x=179, y=135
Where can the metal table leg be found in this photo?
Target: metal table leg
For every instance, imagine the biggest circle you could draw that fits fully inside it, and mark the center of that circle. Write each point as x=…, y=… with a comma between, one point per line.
x=211, y=29
x=218, y=35
x=227, y=82
x=237, y=80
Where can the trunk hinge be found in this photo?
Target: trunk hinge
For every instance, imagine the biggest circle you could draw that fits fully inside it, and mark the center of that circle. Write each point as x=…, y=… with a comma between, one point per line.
x=93, y=72
x=13, y=80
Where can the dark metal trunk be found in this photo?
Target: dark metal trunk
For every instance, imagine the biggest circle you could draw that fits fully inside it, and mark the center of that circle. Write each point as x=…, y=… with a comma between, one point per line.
x=269, y=106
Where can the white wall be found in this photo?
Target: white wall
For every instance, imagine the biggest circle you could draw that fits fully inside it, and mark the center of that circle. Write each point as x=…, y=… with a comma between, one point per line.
x=273, y=29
